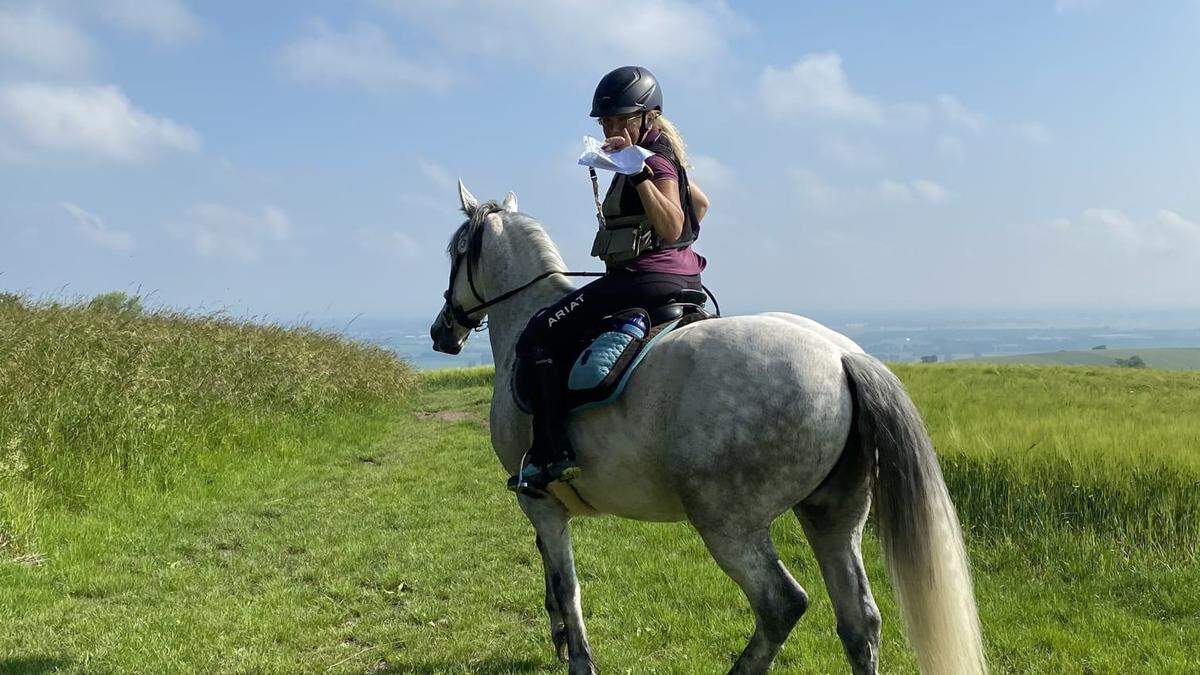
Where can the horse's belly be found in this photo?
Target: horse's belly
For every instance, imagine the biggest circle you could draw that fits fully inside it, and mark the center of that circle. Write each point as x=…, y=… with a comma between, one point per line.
x=622, y=476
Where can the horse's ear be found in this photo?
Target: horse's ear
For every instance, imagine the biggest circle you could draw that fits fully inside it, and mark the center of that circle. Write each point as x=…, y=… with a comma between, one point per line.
x=510, y=202
x=469, y=202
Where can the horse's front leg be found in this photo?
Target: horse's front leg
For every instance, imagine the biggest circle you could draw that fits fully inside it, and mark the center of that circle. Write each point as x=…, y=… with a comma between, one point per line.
x=558, y=628
x=550, y=520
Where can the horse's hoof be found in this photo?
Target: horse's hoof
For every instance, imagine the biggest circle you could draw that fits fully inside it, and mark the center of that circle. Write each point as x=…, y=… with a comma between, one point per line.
x=583, y=667
x=560, y=644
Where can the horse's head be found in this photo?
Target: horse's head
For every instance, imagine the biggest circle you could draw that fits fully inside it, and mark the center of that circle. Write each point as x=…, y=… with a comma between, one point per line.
x=466, y=307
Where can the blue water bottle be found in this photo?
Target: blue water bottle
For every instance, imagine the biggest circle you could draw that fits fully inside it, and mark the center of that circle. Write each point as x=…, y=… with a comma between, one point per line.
x=633, y=325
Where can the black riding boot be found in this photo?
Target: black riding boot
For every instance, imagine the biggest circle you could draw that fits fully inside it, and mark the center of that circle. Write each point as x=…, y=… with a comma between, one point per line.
x=551, y=457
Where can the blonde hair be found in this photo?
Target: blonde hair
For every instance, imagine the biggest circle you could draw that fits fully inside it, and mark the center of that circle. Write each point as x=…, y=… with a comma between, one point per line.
x=664, y=125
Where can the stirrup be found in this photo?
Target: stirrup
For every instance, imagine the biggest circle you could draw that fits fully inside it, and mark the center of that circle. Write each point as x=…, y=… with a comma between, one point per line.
x=534, y=479
x=528, y=482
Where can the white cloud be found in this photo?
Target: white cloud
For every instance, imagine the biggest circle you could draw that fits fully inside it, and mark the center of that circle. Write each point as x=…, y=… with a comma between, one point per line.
x=361, y=55
x=437, y=174
x=817, y=192
x=220, y=231
x=957, y=114
x=167, y=22
x=33, y=36
x=709, y=172
x=1167, y=234
x=815, y=86
x=851, y=154
x=929, y=191
x=915, y=191
x=92, y=227
x=814, y=190
x=890, y=189
x=575, y=34
x=91, y=120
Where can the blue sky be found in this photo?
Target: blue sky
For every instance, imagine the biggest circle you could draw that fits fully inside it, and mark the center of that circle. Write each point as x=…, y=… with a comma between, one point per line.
x=873, y=155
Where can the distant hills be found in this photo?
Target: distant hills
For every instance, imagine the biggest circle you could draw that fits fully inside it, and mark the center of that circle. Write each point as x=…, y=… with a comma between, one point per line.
x=1168, y=358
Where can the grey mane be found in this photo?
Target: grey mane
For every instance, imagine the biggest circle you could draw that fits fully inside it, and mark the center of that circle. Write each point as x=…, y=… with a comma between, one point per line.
x=532, y=233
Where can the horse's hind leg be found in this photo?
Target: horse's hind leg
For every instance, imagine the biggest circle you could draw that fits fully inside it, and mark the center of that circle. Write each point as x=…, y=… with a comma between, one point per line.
x=550, y=520
x=833, y=519
x=749, y=558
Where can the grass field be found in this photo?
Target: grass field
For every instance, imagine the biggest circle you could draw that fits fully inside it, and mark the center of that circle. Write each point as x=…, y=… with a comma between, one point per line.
x=381, y=540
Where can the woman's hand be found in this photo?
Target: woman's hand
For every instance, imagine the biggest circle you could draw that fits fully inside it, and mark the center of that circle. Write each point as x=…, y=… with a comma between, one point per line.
x=615, y=143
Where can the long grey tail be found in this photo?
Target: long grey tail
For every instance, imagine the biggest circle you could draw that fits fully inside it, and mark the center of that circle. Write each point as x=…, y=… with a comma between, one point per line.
x=917, y=523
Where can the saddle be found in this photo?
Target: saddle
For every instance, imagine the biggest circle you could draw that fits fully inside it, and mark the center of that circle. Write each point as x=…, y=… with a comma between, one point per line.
x=603, y=362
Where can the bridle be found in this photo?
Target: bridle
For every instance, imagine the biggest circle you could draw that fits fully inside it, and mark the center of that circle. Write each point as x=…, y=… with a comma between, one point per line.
x=453, y=313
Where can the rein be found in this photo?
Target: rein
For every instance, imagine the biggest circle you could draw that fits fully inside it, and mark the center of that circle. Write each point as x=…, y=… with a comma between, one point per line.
x=463, y=316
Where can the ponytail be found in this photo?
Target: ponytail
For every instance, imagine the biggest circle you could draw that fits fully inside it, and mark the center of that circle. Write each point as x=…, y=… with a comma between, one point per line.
x=674, y=139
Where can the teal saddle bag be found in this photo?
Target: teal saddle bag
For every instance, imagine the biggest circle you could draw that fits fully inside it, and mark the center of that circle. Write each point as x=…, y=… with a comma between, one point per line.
x=601, y=370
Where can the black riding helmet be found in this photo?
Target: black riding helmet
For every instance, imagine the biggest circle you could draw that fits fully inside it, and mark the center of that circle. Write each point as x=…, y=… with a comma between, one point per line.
x=628, y=89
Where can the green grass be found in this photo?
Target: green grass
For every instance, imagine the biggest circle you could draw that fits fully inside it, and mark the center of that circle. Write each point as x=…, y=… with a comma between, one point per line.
x=103, y=397
x=1167, y=358
x=1107, y=452
x=382, y=540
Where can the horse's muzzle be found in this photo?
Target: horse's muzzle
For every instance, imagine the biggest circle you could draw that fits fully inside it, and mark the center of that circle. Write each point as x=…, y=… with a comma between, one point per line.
x=448, y=347
x=445, y=338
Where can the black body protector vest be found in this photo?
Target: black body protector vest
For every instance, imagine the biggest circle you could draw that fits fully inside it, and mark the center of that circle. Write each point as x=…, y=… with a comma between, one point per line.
x=627, y=232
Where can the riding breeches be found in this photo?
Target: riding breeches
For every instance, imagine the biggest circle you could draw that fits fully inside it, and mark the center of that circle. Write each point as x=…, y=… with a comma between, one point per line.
x=557, y=327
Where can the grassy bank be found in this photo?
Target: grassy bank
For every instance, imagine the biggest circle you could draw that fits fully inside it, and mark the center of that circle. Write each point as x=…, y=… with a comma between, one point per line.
x=102, y=397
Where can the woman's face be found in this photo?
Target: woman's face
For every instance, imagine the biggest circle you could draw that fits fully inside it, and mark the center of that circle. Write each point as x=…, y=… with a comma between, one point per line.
x=614, y=126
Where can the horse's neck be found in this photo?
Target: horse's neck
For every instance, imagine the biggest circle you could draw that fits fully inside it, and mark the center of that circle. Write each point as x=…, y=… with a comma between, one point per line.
x=525, y=260
x=508, y=319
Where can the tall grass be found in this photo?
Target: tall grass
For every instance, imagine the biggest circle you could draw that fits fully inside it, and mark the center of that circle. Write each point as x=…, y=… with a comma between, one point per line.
x=97, y=395
x=1110, y=452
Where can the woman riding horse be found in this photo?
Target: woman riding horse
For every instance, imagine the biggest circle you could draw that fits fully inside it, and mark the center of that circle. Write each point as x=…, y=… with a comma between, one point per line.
x=650, y=220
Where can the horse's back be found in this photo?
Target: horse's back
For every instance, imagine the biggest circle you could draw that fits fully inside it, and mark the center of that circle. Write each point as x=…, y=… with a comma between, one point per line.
x=722, y=411
x=818, y=328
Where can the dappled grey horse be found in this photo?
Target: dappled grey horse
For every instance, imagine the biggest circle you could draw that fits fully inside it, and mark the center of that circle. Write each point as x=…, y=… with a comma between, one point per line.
x=728, y=424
